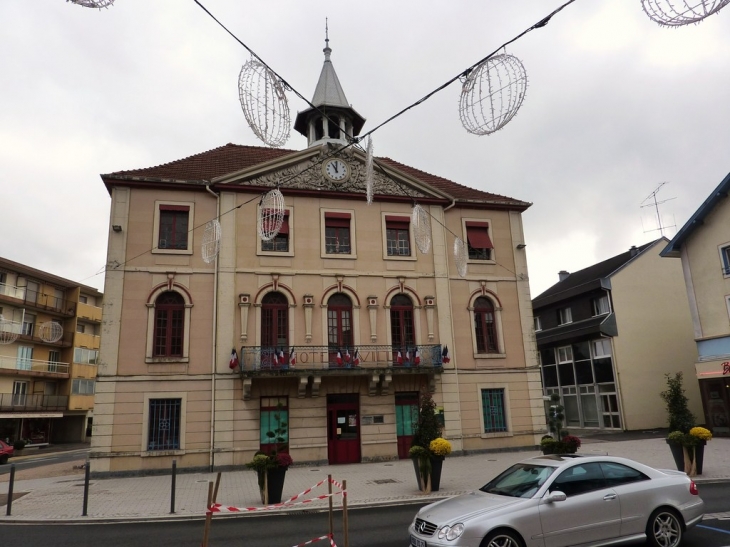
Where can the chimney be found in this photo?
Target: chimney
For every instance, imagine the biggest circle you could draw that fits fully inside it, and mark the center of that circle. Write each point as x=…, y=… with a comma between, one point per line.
x=634, y=251
x=563, y=275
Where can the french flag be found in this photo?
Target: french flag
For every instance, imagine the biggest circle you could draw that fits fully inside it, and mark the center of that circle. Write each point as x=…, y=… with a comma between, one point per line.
x=281, y=359
x=234, y=359
x=276, y=358
x=356, y=360
x=446, y=355
x=399, y=359
x=417, y=357
x=347, y=356
x=292, y=357
x=339, y=358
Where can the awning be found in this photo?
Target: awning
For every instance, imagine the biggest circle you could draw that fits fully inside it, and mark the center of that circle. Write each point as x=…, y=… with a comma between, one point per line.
x=478, y=236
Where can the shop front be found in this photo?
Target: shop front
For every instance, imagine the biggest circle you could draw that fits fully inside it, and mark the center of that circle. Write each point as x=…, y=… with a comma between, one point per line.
x=714, y=380
x=34, y=428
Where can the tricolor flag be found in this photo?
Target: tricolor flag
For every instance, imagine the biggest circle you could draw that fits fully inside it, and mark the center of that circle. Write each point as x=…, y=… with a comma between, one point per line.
x=408, y=355
x=234, y=359
x=417, y=357
x=281, y=359
x=399, y=359
x=356, y=360
x=276, y=358
x=339, y=358
x=347, y=356
x=446, y=355
x=292, y=357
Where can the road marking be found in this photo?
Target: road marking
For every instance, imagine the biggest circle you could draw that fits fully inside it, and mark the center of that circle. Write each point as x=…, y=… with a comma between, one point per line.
x=713, y=528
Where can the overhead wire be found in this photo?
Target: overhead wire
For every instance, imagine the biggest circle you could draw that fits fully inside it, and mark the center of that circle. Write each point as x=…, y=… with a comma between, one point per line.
x=353, y=140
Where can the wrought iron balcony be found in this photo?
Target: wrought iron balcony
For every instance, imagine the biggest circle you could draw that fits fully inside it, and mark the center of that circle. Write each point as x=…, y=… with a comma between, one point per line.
x=24, y=402
x=266, y=360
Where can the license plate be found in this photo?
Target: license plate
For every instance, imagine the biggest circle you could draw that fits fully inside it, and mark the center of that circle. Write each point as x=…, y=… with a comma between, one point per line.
x=415, y=542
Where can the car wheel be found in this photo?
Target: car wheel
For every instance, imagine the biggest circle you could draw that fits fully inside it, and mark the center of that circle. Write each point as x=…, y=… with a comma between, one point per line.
x=3, y=459
x=502, y=538
x=664, y=529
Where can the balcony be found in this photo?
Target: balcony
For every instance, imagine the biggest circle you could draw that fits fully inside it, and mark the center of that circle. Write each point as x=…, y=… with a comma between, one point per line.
x=20, y=296
x=33, y=367
x=311, y=363
x=88, y=312
x=23, y=402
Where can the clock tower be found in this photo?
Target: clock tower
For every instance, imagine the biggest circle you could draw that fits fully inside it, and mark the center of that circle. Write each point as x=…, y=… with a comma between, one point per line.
x=333, y=120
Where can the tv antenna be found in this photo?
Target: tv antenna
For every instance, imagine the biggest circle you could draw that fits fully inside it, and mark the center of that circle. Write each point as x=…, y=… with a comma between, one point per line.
x=653, y=202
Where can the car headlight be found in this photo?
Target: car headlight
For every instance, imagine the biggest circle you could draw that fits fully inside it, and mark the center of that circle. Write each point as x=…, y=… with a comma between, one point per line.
x=450, y=533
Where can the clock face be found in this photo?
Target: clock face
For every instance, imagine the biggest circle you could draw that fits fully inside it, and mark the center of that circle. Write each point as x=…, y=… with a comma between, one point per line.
x=336, y=170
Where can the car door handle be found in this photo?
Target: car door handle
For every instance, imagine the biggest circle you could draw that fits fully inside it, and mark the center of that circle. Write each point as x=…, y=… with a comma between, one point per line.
x=609, y=497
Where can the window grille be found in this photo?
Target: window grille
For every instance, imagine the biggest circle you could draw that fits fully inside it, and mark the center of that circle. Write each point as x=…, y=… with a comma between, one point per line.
x=493, y=410
x=164, y=424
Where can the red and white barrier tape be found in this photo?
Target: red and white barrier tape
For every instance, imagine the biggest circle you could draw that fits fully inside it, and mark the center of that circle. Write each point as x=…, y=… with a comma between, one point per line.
x=220, y=508
x=328, y=536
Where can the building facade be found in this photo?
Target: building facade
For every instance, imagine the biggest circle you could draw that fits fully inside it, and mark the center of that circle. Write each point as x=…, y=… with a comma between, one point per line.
x=49, y=345
x=334, y=325
x=608, y=334
x=703, y=245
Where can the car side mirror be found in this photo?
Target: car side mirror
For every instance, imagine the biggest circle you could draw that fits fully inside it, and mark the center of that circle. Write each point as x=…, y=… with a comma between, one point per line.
x=557, y=495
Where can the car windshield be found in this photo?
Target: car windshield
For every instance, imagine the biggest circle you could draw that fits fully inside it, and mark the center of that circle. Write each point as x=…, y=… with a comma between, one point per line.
x=521, y=480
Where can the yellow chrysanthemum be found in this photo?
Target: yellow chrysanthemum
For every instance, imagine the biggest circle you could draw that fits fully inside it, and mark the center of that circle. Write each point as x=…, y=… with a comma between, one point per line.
x=701, y=433
x=440, y=447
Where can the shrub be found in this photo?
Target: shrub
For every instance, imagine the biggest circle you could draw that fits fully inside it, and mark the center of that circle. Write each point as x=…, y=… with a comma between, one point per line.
x=679, y=416
x=19, y=444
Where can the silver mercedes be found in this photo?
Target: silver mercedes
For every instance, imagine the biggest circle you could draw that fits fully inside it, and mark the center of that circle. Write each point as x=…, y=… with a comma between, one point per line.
x=566, y=500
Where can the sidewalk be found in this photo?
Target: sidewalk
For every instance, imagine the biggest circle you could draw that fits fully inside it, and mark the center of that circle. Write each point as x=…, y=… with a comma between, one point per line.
x=60, y=499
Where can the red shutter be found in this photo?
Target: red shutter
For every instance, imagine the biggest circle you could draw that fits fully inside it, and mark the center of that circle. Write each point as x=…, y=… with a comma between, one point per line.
x=174, y=208
x=337, y=220
x=397, y=223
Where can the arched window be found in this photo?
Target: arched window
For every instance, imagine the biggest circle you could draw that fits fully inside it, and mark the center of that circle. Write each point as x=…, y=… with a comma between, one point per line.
x=169, y=325
x=485, y=328
x=401, y=323
x=339, y=322
x=275, y=321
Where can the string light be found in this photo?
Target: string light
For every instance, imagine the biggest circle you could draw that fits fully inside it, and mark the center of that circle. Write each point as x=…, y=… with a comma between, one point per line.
x=675, y=13
x=211, y=241
x=93, y=3
x=264, y=103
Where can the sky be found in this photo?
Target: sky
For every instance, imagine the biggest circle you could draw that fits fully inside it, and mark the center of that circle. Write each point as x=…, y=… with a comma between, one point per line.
x=616, y=105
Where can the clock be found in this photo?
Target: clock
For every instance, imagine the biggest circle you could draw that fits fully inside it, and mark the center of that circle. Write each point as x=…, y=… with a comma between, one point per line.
x=336, y=170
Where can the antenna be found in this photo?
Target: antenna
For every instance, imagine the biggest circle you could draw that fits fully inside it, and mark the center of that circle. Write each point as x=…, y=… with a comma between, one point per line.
x=654, y=203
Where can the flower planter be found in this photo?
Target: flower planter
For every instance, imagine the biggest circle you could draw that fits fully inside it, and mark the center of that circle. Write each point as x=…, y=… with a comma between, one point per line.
x=274, y=483
x=678, y=454
x=437, y=463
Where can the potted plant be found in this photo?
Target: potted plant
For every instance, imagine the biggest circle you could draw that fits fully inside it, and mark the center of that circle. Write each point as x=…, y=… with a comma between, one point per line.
x=18, y=446
x=681, y=422
x=428, y=448
x=691, y=446
x=559, y=441
x=271, y=467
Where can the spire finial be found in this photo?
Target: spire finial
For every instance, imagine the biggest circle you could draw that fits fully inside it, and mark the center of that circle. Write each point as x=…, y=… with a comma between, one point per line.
x=326, y=49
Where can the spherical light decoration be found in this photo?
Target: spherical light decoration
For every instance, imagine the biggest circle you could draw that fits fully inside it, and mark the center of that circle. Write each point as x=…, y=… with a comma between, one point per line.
x=675, y=13
x=211, y=241
x=50, y=332
x=421, y=222
x=264, y=103
x=461, y=255
x=9, y=331
x=492, y=94
x=93, y=3
x=369, y=177
x=271, y=215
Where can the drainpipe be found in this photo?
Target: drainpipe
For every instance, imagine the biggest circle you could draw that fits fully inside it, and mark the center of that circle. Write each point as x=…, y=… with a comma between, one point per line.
x=211, y=457
x=456, y=368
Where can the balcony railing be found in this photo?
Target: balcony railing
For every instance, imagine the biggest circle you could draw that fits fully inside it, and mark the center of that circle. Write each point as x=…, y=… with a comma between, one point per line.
x=33, y=365
x=24, y=402
x=309, y=358
x=38, y=300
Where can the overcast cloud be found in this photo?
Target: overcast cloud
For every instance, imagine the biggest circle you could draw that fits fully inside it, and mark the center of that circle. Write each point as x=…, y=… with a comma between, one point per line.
x=615, y=106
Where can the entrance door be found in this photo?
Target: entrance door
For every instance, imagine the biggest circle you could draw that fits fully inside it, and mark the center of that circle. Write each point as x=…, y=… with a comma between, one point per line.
x=406, y=418
x=343, y=428
x=716, y=397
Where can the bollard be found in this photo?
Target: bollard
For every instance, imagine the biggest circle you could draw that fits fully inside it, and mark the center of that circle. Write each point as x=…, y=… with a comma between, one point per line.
x=172, y=495
x=86, y=488
x=10, y=489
